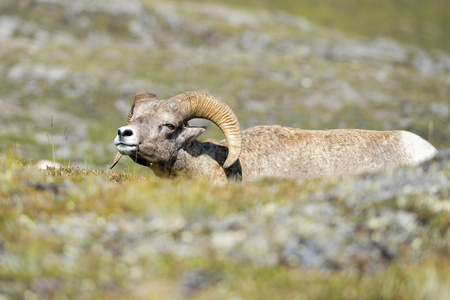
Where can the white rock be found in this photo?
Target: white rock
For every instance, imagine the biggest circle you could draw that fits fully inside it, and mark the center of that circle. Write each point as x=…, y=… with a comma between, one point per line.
x=43, y=164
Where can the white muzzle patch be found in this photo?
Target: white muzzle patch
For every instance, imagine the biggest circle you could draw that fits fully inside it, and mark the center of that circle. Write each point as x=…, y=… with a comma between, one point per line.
x=126, y=140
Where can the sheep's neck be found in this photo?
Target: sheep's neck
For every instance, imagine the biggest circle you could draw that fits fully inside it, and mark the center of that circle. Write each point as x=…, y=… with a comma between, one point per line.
x=201, y=161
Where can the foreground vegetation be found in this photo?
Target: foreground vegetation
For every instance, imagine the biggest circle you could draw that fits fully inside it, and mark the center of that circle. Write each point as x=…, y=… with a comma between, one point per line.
x=91, y=234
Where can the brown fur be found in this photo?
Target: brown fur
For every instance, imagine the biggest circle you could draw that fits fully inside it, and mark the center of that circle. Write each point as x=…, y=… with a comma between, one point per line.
x=277, y=151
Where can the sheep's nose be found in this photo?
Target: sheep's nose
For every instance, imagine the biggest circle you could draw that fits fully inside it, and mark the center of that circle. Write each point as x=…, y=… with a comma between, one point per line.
x=125, y=131
x=126, y=137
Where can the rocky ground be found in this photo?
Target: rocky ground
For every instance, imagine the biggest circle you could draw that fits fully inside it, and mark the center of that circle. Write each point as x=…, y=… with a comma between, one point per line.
x=81, y=234
x=361, y=222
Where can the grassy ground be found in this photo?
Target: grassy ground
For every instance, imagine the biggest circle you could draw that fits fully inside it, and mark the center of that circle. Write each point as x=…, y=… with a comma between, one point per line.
x=78, y=234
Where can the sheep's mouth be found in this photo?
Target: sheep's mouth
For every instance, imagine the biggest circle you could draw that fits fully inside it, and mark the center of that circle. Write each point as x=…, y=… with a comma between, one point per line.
x=127, y=149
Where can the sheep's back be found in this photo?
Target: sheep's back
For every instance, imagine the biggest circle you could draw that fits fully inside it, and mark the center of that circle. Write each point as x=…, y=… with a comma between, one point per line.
x=278, y=151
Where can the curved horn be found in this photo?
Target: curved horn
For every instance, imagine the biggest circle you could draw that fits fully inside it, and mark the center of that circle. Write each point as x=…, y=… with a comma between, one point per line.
x=201, y=105
x=138, y=98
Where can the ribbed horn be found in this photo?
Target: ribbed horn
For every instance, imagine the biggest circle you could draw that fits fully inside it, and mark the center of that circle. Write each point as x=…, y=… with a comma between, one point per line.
x=138, y=98
x=201, y=105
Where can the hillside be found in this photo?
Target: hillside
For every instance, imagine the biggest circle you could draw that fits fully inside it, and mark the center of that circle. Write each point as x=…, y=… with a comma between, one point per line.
x=70, y=69
x=68, y=72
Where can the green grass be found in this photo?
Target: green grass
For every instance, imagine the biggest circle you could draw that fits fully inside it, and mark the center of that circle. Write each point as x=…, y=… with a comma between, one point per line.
x=36, y=264
x=422, y=23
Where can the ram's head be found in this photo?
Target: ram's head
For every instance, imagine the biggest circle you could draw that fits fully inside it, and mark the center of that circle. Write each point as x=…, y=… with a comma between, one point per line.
x=157, y=129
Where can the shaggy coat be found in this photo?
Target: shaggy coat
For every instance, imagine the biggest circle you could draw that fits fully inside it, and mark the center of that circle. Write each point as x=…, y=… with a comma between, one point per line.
x=284, y=152
x=157, y=135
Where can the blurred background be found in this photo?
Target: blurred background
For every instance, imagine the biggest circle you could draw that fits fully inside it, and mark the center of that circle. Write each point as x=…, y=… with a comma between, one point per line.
x=70, y=68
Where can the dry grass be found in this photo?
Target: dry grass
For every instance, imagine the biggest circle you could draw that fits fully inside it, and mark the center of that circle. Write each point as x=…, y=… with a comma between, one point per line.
x=74, y=233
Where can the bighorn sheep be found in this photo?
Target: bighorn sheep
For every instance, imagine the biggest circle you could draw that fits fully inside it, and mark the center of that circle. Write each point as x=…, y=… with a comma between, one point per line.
x=157, y=135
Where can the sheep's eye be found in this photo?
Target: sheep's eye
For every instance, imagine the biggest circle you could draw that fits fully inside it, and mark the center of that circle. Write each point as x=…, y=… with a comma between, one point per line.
x=170, y=126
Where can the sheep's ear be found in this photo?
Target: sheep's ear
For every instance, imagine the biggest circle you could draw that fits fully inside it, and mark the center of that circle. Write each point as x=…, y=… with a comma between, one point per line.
x=189, y=134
